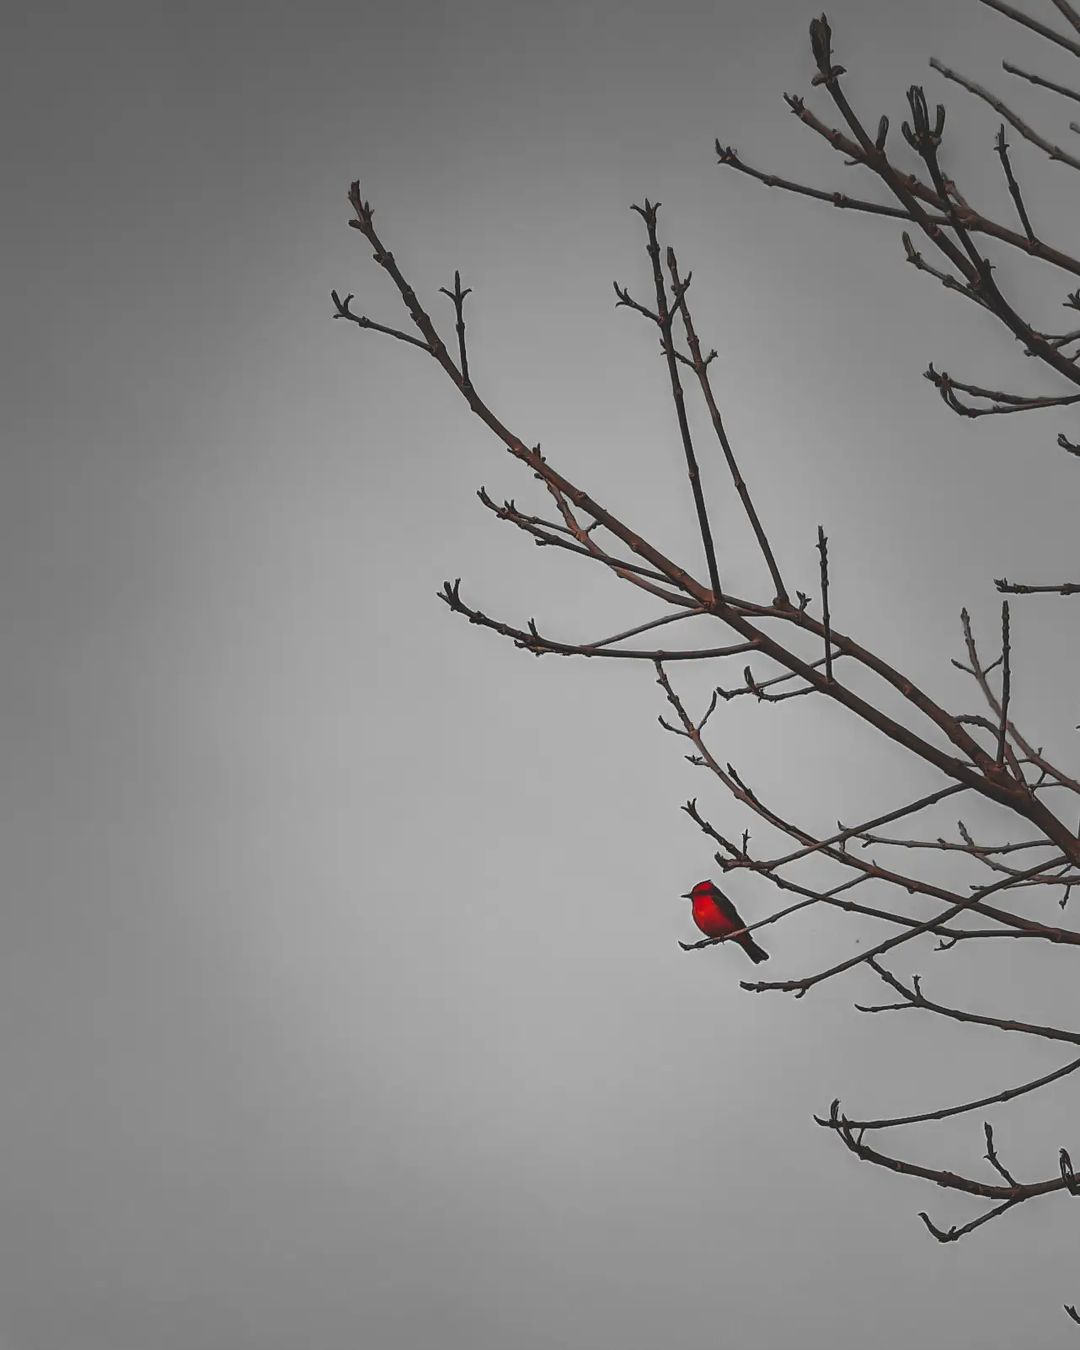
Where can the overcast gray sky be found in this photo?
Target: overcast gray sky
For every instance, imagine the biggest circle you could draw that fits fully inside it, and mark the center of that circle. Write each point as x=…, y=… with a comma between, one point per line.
x=340, y=1000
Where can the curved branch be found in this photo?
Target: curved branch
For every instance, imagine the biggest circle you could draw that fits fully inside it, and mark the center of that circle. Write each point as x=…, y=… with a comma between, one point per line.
x=915, y=998
x=945, y=1112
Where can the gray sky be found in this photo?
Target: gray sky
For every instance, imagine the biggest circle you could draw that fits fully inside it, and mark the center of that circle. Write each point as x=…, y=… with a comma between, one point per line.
x=340, y=1000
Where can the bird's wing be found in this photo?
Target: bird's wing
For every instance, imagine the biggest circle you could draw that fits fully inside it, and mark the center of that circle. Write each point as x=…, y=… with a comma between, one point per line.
x=727, y=909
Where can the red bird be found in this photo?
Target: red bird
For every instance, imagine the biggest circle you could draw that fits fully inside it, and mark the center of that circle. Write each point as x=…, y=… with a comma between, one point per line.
x=716, y=916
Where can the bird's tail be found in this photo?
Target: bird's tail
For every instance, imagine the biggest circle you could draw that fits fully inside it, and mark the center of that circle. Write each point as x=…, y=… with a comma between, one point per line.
x=754, y=952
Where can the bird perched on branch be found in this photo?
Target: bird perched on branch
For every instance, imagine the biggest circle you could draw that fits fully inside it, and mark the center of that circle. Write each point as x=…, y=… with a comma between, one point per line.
x=716, y=916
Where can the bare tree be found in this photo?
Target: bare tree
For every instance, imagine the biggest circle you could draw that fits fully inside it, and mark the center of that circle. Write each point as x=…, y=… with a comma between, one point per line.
x=787, y=643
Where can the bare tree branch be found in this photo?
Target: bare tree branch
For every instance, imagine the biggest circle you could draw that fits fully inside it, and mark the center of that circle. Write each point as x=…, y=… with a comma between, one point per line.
x=1036, y=27
x=944, y=1112
x=1028, y=133
x=1016, y=588
x=1014, y=187
x=1043, y=83
x=648, y=214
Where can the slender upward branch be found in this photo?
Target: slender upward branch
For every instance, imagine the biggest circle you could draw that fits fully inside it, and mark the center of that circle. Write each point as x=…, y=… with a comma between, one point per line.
x=1006, y=682
x=823, y=549
x=1001, y=145
x=457, y=298
x=701, y=369
x=1036, y=27
x=648, y=214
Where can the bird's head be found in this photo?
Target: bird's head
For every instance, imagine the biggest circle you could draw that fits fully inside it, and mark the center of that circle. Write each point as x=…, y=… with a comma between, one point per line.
x=703, y=888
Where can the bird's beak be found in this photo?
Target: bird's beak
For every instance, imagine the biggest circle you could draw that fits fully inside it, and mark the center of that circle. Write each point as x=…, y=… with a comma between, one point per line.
x=687, y=895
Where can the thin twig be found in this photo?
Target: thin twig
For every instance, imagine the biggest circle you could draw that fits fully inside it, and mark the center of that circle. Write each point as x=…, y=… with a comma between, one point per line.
x=953, y=1234
x=1001, y=145
x=856, y=830
x=457, y=299
x=915, y=998
x=700, y=366
x=530, y=639
x=979, y=673
x=800, y=986
x=1006, y=681
x=1028, y=133
x=1001, y=402
x=344, y=311
x=1070, y=13
x=823, y=549
x=944, y=1113
x=1017, y=588
x=992, y=1156
x=1062, y=89
x=1036, y=27
x=648, y=214
x=973, y=220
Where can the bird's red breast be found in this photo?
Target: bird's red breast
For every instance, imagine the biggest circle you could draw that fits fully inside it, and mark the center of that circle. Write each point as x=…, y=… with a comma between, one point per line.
x=710, y=918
